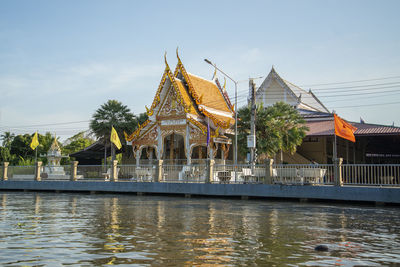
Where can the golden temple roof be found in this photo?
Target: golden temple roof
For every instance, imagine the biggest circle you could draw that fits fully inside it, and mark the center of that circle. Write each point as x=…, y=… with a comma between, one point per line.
x=201, y=98
x=186, y=98
x=209, y=93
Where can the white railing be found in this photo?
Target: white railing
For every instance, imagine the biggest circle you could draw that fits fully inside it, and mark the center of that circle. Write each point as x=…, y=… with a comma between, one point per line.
x=367, y=174
x=303, y=174
x=284, y=174
x=93, y=172
x=137, y=173
x=241, y=173
x=184, y=173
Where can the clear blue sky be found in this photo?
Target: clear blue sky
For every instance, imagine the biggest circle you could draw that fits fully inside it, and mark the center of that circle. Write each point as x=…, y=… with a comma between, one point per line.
x=60, y=60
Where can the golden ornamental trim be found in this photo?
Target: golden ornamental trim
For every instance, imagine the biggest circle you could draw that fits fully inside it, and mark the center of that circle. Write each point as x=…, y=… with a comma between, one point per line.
x=178, y=93
x=222, y=124
x=136, y=133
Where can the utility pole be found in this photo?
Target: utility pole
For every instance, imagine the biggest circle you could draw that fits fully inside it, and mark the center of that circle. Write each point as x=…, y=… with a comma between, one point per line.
x=253, y=125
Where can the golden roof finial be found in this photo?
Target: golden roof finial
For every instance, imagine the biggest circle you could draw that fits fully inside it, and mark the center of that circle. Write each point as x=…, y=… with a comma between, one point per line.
x=177, y=55
x=224, y=84
x=215, y=74
x=165, y=59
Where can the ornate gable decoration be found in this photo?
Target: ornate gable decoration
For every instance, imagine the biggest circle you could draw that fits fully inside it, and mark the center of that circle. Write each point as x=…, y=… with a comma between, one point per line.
x=171, y=105
x=157, y=99
x=177, y=99
x=181, y=72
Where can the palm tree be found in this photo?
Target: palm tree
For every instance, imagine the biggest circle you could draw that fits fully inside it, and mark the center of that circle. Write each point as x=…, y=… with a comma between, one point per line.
x=267, y=136
x=112, y=114
x=291, y=126
x=278, y=128
x=7, y=138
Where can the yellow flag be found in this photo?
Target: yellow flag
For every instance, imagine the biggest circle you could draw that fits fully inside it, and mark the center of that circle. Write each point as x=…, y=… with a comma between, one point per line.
x=35, y=141
x=114, y=138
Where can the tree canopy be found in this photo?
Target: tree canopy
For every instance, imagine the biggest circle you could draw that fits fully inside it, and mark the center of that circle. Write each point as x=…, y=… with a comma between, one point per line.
x=17, y=151
x=278, y=128
x=114, y=114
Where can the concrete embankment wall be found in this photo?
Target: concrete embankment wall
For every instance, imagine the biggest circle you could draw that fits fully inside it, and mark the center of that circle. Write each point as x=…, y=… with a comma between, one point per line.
x=345, y=193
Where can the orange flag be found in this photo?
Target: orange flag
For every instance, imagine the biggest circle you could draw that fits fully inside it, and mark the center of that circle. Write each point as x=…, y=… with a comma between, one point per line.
x=344, y=129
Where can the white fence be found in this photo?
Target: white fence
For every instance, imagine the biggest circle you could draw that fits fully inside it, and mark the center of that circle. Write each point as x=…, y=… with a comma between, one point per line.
x=241, y=173
x=200, y=172
x=366, y=174
x=303, y=174
x=184, y=173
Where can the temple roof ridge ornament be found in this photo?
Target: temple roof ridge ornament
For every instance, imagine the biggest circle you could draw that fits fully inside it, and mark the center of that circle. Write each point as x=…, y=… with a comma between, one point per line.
x=199, y=99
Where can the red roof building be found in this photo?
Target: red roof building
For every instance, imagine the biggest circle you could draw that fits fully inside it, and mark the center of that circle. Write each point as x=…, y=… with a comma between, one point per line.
x=374, y=143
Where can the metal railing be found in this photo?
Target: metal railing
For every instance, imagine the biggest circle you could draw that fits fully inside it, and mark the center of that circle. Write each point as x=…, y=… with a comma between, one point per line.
x=137, y=173
x=366, y=174
x=21, y=172
x=93, y=172
x=284, y=174
x=185, y=173
x=303, y=174
x=241, y=173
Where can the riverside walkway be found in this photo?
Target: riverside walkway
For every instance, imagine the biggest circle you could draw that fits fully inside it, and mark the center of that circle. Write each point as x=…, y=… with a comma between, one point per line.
x=360, y=183
x=343, y=193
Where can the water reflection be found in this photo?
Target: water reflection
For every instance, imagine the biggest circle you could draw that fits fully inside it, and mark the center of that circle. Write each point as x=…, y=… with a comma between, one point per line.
x=48, y=229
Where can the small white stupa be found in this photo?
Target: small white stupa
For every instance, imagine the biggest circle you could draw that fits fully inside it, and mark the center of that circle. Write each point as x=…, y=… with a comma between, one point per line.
x=53, y=168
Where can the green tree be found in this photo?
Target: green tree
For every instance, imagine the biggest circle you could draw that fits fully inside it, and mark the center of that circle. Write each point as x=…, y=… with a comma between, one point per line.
x=7, y=138
x=76, y=143
x=5, y=153
x=113, y=113
x=278, y=128
x=21, y=152
x=268, y=139
x=21, y=149
x=291, y=126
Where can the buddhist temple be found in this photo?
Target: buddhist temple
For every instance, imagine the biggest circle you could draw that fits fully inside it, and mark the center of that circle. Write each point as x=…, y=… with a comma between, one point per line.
x=190, y=119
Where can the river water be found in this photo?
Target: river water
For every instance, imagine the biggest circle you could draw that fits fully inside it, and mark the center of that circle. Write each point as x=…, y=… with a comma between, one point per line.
x=50, y=229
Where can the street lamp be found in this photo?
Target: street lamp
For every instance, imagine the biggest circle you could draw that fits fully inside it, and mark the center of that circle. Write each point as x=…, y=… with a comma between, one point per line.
x=235, y=82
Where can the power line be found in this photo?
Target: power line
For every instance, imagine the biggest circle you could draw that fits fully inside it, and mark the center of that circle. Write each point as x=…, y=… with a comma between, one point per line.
x=358, y=98
x=378, y=85
x=349, y=93
x=377, y=104
x=50, y=124
x=357, y=81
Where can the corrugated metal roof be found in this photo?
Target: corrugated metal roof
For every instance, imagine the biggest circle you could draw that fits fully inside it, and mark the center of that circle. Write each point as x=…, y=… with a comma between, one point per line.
x=320, y=128
x=325, y=127
x=374, y=129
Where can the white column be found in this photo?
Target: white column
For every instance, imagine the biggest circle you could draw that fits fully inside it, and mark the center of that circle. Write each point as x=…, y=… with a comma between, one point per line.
x=160, y=142
x=137, y=158
x=187, y=145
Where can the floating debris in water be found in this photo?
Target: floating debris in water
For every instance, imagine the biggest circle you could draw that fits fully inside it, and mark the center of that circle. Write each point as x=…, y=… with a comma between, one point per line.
x=321, y=248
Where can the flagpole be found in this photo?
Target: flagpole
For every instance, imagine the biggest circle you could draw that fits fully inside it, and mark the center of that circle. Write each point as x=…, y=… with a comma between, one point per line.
x=334, y=140
x=335, y=147
x=36, y=153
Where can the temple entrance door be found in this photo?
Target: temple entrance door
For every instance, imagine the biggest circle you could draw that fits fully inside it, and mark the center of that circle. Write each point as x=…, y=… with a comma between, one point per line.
x=174, y=149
